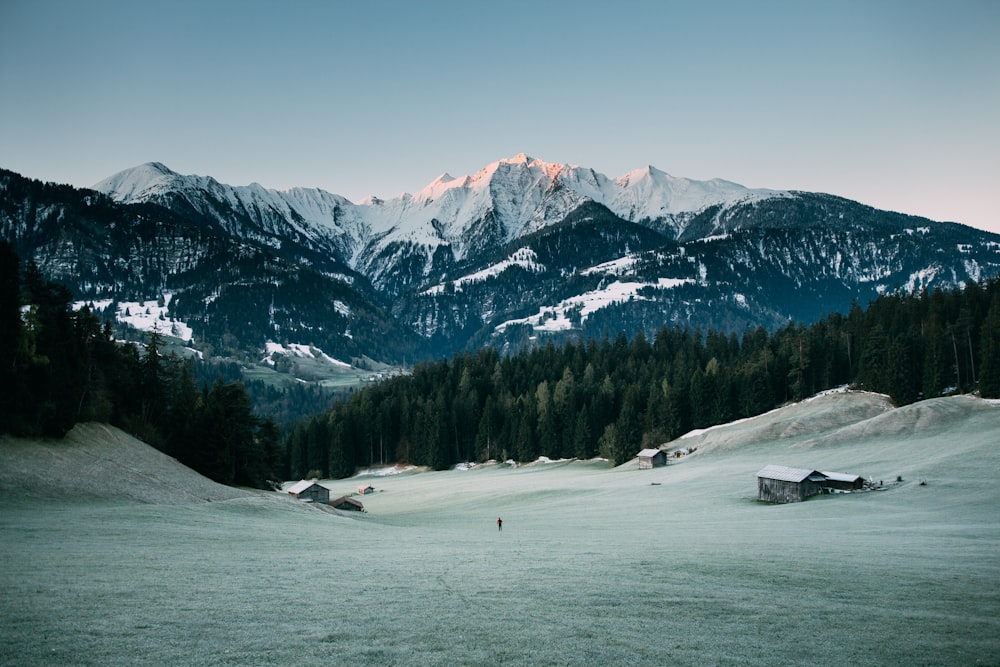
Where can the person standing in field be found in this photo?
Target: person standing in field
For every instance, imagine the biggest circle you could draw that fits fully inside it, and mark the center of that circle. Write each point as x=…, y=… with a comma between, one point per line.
x=499, y=524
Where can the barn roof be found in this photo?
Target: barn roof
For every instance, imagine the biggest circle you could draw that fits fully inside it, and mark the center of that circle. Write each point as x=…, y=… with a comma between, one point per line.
x=299, y=487
x=348, y=500
x=841, y=476
x=649, y=453
x=786, y=474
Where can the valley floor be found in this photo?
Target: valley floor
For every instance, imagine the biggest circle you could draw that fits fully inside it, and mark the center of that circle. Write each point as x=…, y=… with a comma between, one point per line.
x=595, y=565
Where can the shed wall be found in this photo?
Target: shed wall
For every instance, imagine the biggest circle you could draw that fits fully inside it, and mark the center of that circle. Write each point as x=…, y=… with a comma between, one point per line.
x=653, y=461
x=316, y=493
x=844, y=485
x=781, y=491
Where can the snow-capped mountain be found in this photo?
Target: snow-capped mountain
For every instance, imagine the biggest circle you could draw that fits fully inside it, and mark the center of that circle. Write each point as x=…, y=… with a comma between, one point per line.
x=520, y=250
x=447, y=222
x=313, y=218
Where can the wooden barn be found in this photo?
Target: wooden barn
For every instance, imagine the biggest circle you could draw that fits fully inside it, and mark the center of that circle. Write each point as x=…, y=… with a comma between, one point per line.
x=841, y=481
x=366, y=488
x=781, y=484
x=652, y=458
x=347, y=503
x=310, y=492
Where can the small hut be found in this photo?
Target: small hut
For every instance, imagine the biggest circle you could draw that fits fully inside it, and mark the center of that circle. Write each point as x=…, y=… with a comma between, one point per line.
x=365, y=489
x=310, y=492
x=781, y=484
x=347, y=503
x=652, y=458
x=840, y=481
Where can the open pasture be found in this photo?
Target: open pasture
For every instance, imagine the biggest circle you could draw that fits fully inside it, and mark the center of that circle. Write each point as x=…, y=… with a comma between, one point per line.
x=595, y=565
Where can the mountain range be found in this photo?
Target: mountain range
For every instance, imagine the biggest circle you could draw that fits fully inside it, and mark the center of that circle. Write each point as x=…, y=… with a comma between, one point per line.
x=518, y=253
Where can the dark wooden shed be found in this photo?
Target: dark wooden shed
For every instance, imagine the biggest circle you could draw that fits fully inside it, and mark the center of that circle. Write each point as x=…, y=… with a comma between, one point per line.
x=842, y=481
x=309, y=491
x=781, y=484
x=652, y=458
x=347, y=503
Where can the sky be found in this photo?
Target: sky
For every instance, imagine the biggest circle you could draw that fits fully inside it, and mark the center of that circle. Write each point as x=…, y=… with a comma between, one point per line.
x=893, y=103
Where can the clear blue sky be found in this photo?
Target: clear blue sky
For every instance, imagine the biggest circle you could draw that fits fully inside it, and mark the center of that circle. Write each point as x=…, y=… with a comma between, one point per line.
x=894, y=103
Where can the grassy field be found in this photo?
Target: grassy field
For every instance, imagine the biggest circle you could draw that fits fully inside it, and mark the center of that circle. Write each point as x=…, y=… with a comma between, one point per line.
x=595, y=565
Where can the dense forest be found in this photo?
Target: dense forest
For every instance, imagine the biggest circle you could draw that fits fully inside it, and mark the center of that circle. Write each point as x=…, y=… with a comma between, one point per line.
x=614, y=396
x=59, y=367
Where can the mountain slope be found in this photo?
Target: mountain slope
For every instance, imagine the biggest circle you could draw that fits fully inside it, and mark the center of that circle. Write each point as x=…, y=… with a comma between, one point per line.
x=521, y=249
x=235, y=292
x=463, y=217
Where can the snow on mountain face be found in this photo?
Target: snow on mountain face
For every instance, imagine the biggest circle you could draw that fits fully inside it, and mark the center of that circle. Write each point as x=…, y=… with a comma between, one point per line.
x=501, y=202
x=525, y=194
x=651, y=193
x=642, y=251
x=309, y=213
x=139, y=183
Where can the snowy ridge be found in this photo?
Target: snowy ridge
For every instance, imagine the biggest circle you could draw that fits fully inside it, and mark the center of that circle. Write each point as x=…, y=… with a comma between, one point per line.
x=651, y=193
x=502, y=201
x=462, y=259
x=525, y=194
x=312, y=213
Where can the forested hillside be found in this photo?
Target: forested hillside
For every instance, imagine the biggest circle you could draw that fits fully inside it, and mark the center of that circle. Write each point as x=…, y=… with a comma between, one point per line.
x=59, y=367
x=606, y=397
x=614, y=396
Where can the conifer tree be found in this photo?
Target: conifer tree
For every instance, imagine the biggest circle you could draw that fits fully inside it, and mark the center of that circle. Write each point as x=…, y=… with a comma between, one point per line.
x=989, y=369
x=11, y=340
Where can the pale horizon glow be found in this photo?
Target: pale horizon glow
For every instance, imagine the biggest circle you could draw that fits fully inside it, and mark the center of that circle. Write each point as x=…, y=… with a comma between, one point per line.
x=892, y=103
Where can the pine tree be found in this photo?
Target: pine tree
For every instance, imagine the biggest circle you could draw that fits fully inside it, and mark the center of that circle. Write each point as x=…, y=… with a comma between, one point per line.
x=11, y=340
x=874, y=360
x=903, y=376
x=989, y=366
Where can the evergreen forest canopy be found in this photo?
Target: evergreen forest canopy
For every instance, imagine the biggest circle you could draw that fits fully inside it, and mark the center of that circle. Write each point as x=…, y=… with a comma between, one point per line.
x=59, y=367
x=612, y=397
x=580, y=399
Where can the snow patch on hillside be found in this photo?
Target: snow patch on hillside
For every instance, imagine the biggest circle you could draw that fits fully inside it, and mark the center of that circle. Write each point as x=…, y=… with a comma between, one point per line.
x=524, y=257
x=386, y=471
x=615, y=267
x=146, y=316
x=298, y=350
x=150, y=316
x=561, y=316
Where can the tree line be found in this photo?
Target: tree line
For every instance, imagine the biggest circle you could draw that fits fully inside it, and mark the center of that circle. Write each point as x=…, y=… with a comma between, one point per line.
x=611, y=397
x=608, y=397
x=60, y=366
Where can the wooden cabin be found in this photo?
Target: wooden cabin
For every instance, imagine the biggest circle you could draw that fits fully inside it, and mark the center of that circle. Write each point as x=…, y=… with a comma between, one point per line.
x=841, y=481
x=781, y=484
x=366, y=488
x=310, y=492
x=652, y=458
x=347, y=503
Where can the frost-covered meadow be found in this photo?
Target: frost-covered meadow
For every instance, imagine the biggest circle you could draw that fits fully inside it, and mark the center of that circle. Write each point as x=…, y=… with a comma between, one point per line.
x=595, y=565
